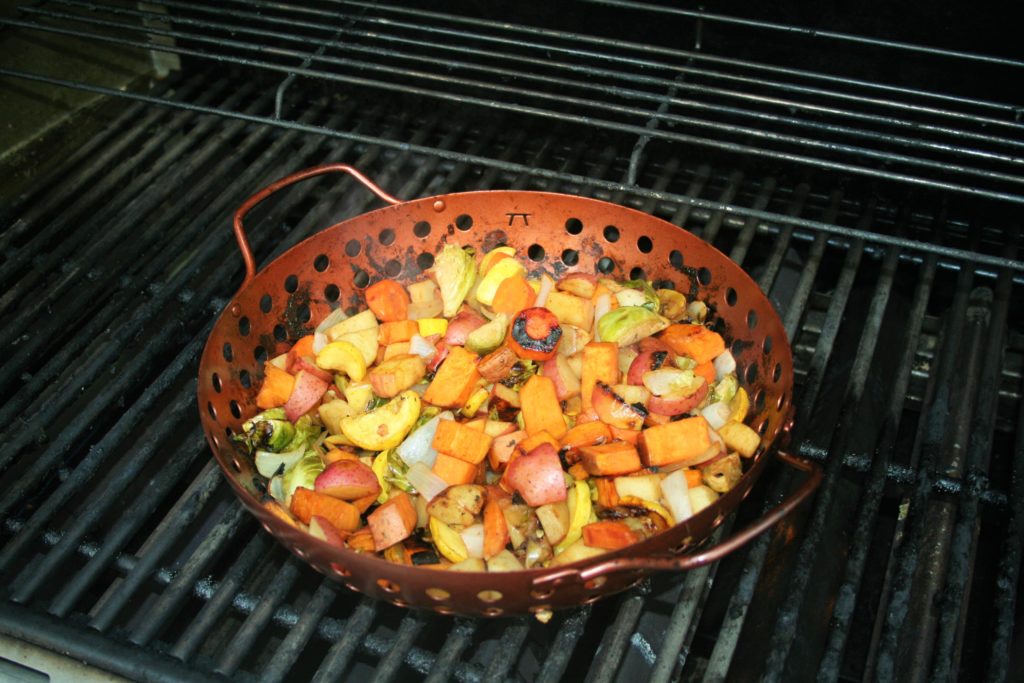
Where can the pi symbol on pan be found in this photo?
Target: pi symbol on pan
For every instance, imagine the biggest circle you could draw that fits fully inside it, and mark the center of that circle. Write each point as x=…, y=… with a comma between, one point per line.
x=513, y=217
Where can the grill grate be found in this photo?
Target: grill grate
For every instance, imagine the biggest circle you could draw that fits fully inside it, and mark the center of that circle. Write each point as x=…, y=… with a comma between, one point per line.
x=896, y=298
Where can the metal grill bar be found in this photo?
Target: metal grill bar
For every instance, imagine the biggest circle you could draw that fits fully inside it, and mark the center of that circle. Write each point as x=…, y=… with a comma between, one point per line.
x=341, y=652
x=89, y=161
x=258, y=618
x=959, y=574
x=648, y=49
x=459, y=638
x=192, y=502
x=587, y=70
x=740, y=601
x=933, y=426
x=872, y=498
x=811, y=33
x=388, y=667
x=767, y=218
x=286, y=655
x=561, y=97
x=785, y=626
x=218, y=605
x=132, y=518
x=1009, y=567
x=105, y=188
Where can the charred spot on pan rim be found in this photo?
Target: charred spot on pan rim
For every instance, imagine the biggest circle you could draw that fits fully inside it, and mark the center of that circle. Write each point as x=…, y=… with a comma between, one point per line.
x=493, y=240
x=298, y=300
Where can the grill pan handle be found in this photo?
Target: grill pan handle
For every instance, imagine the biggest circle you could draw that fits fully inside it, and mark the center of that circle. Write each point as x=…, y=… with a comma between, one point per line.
x=713, y=554
x=243, y=241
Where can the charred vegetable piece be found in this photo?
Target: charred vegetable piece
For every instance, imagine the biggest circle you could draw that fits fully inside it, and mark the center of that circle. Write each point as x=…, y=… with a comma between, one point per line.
x=497, y=365
x=535, y=334
x=270, y=431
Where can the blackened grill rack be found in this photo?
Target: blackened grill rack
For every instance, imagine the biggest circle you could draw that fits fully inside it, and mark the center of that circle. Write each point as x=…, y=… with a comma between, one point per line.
x=880, y=215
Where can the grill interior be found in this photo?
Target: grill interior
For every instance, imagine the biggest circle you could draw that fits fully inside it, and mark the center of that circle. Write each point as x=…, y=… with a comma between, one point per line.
x=872, y=187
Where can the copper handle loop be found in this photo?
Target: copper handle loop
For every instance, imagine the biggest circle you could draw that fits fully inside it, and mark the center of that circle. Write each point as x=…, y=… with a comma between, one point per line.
x=717, y=552
x=243, y=240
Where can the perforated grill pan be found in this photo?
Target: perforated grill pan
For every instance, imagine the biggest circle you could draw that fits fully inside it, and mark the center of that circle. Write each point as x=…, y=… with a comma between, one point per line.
x=560, y=234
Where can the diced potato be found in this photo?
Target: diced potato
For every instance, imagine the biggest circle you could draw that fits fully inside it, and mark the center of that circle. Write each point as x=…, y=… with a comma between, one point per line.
x=571, y=309
x=554, y=518
x=449, y=512
x=364, y=340
x=645, y=486
x=741, y=438
x=573, y=340
x=360, y=321
x=397, y=374
x=673, y=304
x=419, y=310
x=332, y=413
x=577, y=551
x=701, y=497
x=722, y=474
x=424, y=290
x=470, y=564
x=504, y=561
x=626, y=358
x=469, y=496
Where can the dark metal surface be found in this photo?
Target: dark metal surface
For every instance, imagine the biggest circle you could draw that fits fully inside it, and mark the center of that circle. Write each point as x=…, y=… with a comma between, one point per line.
x=109, y=495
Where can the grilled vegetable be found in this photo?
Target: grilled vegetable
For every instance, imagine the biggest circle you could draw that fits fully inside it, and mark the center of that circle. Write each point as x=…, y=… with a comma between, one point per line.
x=386, y=426
x=534, y=334
x=629, y=324
x=560, y=394
x=455, y=272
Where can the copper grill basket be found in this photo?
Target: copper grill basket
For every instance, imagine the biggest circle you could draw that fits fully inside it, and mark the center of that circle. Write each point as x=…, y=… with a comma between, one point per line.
x=557, y=233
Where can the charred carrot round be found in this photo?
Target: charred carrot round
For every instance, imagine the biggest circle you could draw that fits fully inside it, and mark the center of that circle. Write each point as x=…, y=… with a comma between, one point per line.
x=535, y=334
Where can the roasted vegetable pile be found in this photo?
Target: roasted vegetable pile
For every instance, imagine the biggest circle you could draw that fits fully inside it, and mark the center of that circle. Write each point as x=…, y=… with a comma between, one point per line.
x=483, y=420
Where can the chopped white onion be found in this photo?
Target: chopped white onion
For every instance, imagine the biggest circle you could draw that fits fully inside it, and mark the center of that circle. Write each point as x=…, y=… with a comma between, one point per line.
x=546, y=285
x=724, y=364
x=422, y=348
x=268, y=462
x=319, y=341
x=675, y=492
x=426, y=483
x=717, y=440
x=332, y=319
x=602, y=305
x=473, y=537
x=717, y=414
x=417, y=446
x=276, y=490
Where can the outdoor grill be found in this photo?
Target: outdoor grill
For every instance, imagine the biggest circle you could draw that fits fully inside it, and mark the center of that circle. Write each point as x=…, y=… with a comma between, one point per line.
x=868, y=173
